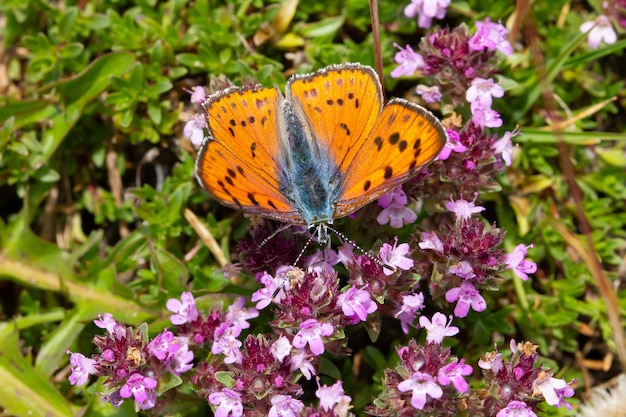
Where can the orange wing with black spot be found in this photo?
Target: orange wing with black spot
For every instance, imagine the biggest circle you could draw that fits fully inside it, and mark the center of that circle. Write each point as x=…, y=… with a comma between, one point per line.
x=404, y=139
x=236, y=163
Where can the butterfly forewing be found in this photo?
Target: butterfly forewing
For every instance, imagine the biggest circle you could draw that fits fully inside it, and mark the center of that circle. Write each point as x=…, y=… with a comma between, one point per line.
x=236, y=162
x=341, y=103
x=404, y=139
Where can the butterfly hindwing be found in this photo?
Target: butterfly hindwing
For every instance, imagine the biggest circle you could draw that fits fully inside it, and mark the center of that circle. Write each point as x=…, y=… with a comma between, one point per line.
x=404, y=139
x=236, y=163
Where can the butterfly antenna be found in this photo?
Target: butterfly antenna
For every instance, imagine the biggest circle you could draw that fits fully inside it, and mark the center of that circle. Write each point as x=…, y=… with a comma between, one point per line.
x=270, y=237
x=360, y=249
x=306, y=245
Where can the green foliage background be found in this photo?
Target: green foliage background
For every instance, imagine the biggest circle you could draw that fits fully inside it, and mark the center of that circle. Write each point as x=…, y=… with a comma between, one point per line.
x=95, y=175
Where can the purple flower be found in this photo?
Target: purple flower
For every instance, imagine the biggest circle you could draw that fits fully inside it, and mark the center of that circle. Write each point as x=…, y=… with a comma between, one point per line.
x=163, y=345
x=81, y=368
x=345, y=254
x=422, y=385
x=426, y=10
x=483, y=90
x=228, y=403
x=198, y=95
x=226, y=342
x=463, y=269
x=600, y=30
x=393, y=256
x=516, y=409
x=411, y=305
x=394, y=210
x=431, y=241
x=281, y=348
x=113, y=398
x=409, y=61
x=454, y=372
x=141, y=388
x=491, y=361
x=484, y=117
x=430, y=94
x=322, y=262
x=438, y=328
x=553, y=389
x=452, y=145
x=195, y=128
x=181, y=361
x=466, y=296
x=331, y=396
x=356, y=304
x=238, y=315
x=311, y=332
x=490, y=36
x=504, y=146
x=285, y=406
x=520, y=266
x=463, y=209
x=106, y=321
x=185, y=309
x=274, y=288
x=299, y=360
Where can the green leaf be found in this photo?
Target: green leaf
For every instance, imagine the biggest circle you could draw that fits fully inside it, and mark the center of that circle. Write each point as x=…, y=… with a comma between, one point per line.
x=26, y=111
x=35, y=263
x=67, y=22
x=159, y=88
x=71, y=50
x=324, y=27
x=154, y=111
x=225, y=378
x=374, y=358
x=24, y=390
x=53, y=349
x=47, y=174
x=172, y=271
x=77, y=92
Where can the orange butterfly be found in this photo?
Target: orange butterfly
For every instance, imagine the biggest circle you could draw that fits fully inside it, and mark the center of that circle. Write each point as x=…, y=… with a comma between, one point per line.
x=320, y=152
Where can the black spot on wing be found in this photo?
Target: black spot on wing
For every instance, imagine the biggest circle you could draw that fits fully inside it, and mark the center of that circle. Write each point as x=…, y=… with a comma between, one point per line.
x=388, y=172
x=345, y=128
x=378, y=141
x=253, y=199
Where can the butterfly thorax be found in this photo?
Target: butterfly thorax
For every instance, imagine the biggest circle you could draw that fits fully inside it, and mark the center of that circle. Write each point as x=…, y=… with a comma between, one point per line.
x=309, y=178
